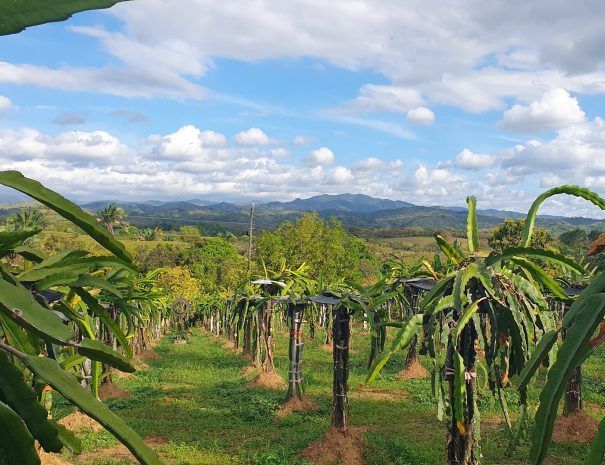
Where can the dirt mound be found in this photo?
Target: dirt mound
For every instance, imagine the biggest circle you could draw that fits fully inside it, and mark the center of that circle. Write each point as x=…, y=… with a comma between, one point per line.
x=578, y=428
x=337, y=447
x=118, y=453
x=269, y=380
x=51, y=459
x=296, y=405
x=228, y=345
x=111, y=391
x=148, y=354
x=78, y=421
x=364, y=392
x=249, y=370
x=414, y=371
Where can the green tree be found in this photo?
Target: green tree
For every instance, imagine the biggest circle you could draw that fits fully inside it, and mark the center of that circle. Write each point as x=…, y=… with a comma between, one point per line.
x=217, y=264
x=325, y=246
x=111, y=216
x=574, y=243
x=509, y=233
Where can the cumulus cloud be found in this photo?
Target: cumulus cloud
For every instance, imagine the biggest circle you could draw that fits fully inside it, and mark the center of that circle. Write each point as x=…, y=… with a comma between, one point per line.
x=321, y=156
x=476, y=61
x=576, y=150
x=212, y=139
x=252, y=137
x=70, y=119
x=554, y=110
x=421, y=115
x=469, y=160
x=96, y=164
x=377, y=98
x=374, y=164
x=73, y=147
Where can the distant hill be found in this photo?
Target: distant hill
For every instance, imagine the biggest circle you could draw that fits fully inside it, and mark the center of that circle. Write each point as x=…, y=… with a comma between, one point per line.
x=354, y=203
x=355, y=211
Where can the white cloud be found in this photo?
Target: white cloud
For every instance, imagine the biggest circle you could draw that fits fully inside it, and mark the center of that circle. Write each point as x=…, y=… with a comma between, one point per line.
x=69, y=148
x=321, y=156
x=377, y=98
x=472, y=54
x=374, y=164
x=96, y=164
x=469, y=160
x=550, y=180
x=340, y=175
x=252, y=137
x=279, y=152
x=421, y=115
x=555, y=109
x=212, y=139
x=5, y=104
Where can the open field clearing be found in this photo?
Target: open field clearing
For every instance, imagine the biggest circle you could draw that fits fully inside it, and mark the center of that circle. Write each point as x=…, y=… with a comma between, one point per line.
x=192, y=404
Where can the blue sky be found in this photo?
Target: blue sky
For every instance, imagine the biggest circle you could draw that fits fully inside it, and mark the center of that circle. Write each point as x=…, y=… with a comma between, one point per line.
x=272, y=100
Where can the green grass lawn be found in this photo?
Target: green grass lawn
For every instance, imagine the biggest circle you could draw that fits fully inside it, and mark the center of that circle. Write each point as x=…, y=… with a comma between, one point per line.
x=193, y=402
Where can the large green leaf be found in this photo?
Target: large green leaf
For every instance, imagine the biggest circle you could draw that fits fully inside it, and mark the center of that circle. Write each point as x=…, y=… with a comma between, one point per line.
x=100, y=312
x=18, y=303
x=10, y=240
x=574, y=350
x=60, y=204
x=537, y=357
x=16, y=15
x=597, y=447
x=21, y=398
x=472, y=228
x=403, y=338
x=576, y=191
x=531, y=252
x=68, y=386
x=448, y=250
x=539, y=275
x=15, y=440
x=97, y=350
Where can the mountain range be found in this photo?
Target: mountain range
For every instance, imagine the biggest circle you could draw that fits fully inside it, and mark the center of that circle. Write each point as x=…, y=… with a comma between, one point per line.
x=355, y=211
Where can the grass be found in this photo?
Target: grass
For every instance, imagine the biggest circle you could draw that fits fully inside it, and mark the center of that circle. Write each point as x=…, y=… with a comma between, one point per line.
x=195, y=399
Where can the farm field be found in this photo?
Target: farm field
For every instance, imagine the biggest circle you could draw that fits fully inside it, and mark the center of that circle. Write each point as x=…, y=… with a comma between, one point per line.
x=192, y=404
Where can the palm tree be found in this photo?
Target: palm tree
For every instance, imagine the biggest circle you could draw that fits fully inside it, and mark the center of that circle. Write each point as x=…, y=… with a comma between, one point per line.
x=26, y=218
x=111, y=216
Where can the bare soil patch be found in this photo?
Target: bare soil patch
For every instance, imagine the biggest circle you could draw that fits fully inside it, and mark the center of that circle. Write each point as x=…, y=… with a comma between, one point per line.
x=111, y=391
x=250, y=370
x=149, y=354
x=326, y=347
x=118, y=453
x=578, y=428
x=78, y=421
x=414, y=371
x=296, y=405
x=228, y=345
x=337, y=447
x=269, y=380
x=364, y=392
x=51, y=459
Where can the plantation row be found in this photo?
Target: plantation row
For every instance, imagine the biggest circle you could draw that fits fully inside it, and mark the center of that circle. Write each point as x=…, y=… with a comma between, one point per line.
x=70, y=317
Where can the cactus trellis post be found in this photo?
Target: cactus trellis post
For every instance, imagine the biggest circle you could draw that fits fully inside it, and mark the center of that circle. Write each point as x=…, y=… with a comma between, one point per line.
x=180, y=309
x=341, y=331
x=265, y=318
x=295, y=378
